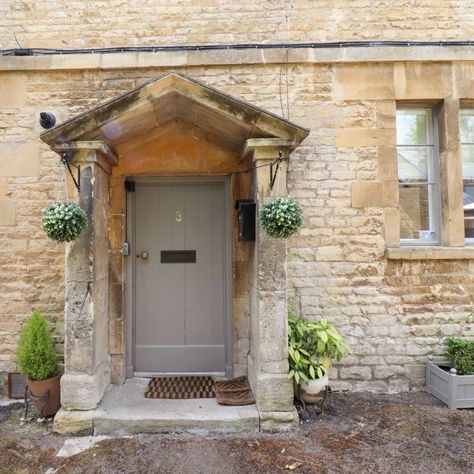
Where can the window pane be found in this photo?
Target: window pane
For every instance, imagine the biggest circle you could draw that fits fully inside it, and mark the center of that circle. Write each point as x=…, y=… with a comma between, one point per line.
x=413, y=127
x=467, y=161
x=413, y=163
x=467, y=126
x=415, y=212
x=417, y=175
x=469, y=211
x=467, y=153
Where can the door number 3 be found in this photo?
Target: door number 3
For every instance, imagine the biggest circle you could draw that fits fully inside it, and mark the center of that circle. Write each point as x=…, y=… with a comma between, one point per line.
x=179, y=216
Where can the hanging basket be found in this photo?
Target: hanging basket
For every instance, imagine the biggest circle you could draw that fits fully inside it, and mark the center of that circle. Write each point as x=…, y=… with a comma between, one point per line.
x=281, y=217
x=64, y=221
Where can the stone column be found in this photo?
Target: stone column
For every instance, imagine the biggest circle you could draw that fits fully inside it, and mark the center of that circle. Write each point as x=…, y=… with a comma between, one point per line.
x=268, y=358
x=87, y=365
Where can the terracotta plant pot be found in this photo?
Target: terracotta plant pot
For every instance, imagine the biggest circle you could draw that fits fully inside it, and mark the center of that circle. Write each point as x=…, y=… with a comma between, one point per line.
x=313, y=391
x=46, y=395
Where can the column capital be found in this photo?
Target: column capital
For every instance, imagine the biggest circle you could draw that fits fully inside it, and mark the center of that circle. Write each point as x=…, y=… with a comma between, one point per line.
x=268, y=148
x=89, y=151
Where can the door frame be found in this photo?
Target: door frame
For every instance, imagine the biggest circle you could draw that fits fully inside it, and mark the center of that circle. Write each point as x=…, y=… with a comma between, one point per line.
x=130, y=267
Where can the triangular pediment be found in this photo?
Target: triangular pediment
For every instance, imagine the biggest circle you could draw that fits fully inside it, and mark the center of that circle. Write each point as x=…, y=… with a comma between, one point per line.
x=156, y=108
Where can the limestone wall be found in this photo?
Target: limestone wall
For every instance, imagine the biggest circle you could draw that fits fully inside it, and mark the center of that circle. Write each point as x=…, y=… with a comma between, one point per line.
x=62, y=24
x=394, y=312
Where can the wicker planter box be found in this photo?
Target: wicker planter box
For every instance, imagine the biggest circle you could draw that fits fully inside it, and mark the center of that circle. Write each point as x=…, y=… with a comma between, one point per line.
x=457, y=391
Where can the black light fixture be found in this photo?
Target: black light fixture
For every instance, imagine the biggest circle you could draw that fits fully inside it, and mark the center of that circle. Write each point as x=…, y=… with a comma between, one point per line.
x=47, y=120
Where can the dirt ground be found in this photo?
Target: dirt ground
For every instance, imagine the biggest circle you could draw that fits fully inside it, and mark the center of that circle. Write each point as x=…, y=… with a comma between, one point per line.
x=358, y=433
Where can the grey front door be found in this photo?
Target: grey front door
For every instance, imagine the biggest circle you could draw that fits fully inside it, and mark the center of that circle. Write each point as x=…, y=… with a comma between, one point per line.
x=180, y=274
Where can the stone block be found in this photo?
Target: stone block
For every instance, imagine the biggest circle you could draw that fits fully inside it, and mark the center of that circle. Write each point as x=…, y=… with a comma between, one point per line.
x=273, y=392
x=277, y=422
x=74, y=422
x=7, y=212
x=19, y=159
x=13, y=87
x=356, y=373
x=392, y=226
x=364, y=137
x=84, y=391
x=116, y=336
x=387, y=161
x=374, y=193
x=331, y=253
x=411, y=81
x=3, y=188
x=463, y=79
x=363, y=82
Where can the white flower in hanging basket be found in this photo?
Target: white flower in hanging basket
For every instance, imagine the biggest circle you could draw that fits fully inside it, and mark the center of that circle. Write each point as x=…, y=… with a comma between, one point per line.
x=64, y=221
x=281, y=217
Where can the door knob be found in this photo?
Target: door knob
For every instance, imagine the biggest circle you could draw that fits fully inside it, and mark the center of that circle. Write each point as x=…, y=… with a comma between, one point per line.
x=143, y=255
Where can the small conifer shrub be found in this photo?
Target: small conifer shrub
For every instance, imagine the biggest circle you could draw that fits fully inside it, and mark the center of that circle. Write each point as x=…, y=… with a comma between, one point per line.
x=35, y=353
x=64, y=221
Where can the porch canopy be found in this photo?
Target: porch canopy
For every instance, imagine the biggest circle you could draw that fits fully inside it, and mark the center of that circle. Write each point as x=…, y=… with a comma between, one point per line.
x=108, y=136
x=150, y=111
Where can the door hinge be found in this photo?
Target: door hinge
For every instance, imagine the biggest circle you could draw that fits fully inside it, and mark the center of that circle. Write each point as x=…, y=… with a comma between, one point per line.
x=130, y=186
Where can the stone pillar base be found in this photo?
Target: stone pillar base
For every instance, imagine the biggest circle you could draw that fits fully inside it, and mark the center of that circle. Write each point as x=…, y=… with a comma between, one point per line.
x=74, y=422
x=82, y=391
x=278, y=421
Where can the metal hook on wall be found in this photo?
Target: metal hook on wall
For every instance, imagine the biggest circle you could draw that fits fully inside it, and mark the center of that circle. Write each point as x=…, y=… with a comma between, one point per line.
x=274, y=171
x=65, y=161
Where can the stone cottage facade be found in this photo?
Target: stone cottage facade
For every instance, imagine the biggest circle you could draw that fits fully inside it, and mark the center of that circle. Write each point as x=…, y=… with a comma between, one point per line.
x=376, y=141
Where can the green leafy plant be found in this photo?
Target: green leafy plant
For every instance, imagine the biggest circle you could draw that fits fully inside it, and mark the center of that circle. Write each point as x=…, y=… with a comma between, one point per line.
x=35, y=353
x=64, y=221
x=460, y=353
x=281, y=217
x=312, y=346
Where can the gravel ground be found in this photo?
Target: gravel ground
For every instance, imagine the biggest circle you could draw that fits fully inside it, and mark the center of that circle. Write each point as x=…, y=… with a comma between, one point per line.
x=358, y=433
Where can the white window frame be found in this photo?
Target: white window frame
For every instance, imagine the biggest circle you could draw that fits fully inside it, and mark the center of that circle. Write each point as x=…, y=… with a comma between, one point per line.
x=467, y=241
x=434, y=190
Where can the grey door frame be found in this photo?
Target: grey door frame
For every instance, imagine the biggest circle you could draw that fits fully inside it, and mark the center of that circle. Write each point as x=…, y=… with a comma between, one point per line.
x=130, y=265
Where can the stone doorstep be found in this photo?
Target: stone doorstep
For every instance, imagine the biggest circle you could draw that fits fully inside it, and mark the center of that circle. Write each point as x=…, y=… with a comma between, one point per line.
x=125, y=410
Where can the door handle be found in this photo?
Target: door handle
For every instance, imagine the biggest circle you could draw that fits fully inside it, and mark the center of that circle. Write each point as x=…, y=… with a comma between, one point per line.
x=143, y=255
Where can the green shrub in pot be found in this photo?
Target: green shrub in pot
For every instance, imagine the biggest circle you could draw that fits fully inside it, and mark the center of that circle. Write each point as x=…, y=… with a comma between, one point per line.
x=312, y=347
x=38, y=361
x=460, y=353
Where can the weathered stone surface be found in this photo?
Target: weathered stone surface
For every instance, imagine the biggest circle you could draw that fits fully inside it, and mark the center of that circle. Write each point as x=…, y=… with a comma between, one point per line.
x=277, y=422
x=73, y=422
x=20, y=158
x=7, y=212
x=337, y=265
x=13, y=87
x=363, y=82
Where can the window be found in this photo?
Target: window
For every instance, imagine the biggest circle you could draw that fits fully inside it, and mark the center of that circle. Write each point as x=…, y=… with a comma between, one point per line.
x=467, y=153
x=418, y=177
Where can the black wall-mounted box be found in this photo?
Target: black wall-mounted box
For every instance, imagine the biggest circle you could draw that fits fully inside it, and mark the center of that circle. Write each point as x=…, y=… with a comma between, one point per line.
x=246, y=209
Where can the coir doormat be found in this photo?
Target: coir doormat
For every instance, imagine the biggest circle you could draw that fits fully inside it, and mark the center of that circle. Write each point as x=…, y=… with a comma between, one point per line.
x=228, y=392
x=181, y=387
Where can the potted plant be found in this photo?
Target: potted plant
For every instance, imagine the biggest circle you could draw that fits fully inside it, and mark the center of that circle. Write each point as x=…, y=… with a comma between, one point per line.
x=452, y=380
x=312, y=347
x=281, y=217
x=64, y=221
x=38, y=362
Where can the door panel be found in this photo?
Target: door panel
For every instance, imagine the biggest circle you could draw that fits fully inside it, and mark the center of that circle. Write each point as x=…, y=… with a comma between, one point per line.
x=180, y=307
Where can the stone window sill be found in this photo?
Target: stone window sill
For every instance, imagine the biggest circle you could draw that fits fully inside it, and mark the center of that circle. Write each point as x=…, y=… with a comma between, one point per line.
x=430, y=253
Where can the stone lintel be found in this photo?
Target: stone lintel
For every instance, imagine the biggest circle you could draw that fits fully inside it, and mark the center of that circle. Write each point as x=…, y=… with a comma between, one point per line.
x=430, y=253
